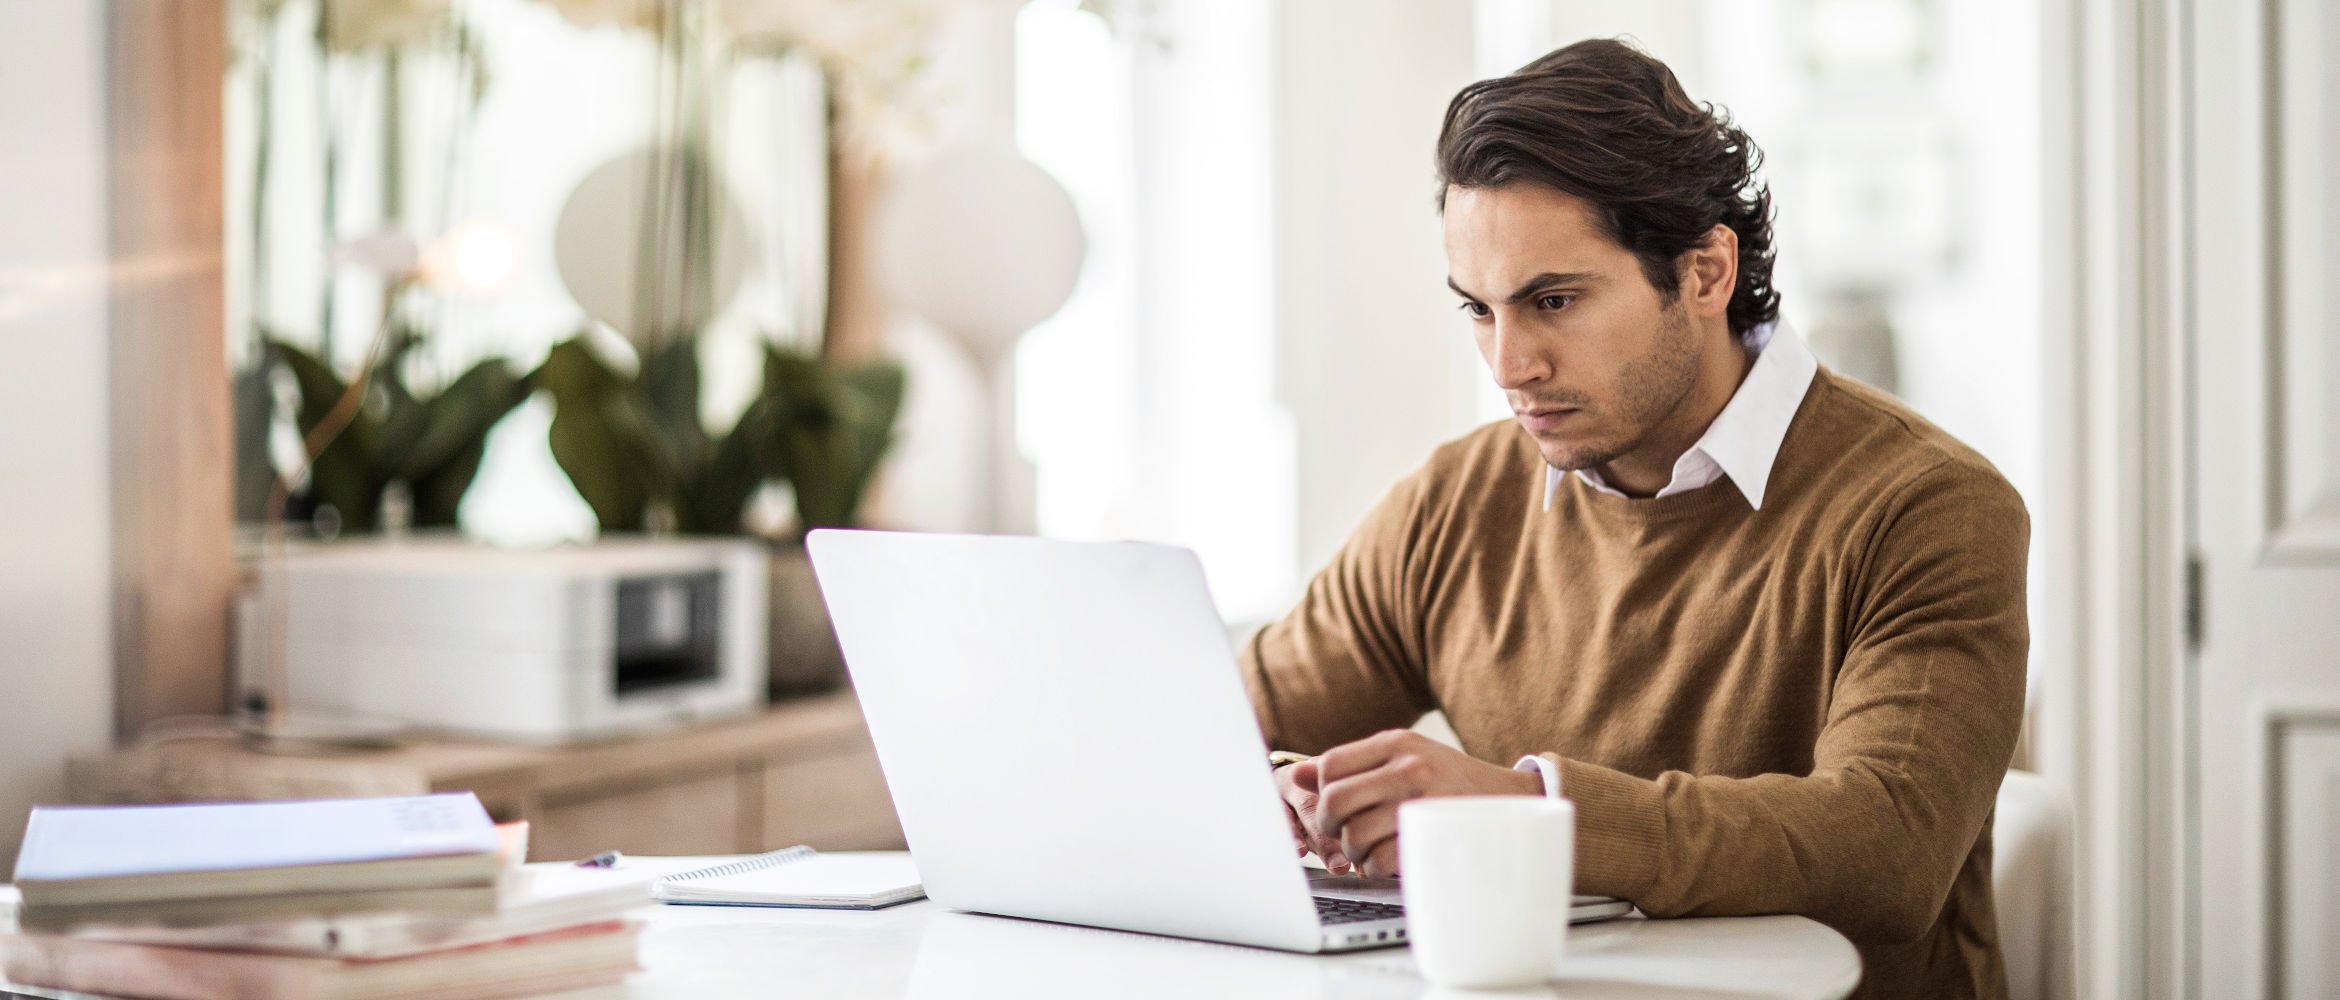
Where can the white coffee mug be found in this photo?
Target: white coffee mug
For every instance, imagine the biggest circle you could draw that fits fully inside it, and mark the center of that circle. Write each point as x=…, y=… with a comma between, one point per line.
x=1487, y=880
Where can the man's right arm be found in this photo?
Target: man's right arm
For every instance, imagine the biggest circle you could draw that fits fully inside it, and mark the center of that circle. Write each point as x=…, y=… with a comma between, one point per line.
x=1348, y=661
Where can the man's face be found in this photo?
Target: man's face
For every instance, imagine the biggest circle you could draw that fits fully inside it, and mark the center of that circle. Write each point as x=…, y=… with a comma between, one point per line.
x=1590, y=356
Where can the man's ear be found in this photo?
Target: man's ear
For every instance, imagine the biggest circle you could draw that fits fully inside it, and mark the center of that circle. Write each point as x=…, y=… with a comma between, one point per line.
x=1710, y=272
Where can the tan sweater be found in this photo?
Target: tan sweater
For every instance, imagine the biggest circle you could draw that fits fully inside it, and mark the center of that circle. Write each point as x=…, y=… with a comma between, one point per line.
x=1804, y=709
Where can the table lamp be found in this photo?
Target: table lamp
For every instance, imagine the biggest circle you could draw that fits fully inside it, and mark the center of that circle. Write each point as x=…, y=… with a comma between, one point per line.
x=985, y=244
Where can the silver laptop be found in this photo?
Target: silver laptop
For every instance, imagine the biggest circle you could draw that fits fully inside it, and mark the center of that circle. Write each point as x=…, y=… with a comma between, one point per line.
x=1067, y=738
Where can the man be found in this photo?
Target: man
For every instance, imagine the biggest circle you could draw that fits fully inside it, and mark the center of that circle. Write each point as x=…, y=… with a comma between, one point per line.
x=1764, y=625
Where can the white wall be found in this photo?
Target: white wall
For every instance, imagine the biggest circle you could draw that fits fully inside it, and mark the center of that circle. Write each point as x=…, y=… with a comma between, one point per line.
x=1293, y=349
x=942, y=474
x=1218, y=441
x=1676, y=31
x=1362, y=310
x=1968, y=330
x=56, y=683
x=1149, y=404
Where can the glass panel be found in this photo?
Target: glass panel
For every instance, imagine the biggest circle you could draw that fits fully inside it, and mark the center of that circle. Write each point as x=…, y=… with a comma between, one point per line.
x=445, y=182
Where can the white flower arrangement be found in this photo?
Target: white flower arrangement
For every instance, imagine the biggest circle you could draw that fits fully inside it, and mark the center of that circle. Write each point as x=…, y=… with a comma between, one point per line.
x=875, y=52
x=872, y=39
x=359, y=25
x=642, y=14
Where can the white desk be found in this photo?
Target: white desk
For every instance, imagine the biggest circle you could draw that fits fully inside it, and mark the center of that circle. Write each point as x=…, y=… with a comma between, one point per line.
x=920, y=950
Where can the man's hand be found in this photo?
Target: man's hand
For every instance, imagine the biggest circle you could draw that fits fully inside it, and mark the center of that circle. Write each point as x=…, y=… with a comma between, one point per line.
x=1356, y=788
x=1296, y=782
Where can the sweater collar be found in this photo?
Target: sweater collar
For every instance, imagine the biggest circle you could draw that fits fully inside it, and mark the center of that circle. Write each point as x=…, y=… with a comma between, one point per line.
x=1744, y=439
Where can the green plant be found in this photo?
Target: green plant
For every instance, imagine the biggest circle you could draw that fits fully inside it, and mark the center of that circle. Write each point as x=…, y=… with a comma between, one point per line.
x=632, y=443
x=433, y=444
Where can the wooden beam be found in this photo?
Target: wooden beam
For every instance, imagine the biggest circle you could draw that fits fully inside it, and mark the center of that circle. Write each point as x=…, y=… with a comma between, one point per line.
x=858, y=308
x=173, y=553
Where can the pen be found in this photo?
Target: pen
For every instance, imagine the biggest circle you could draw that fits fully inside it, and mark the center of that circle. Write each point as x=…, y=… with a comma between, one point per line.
x=605, y=859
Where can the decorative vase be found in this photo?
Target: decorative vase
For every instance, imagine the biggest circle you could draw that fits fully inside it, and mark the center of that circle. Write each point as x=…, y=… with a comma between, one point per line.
x=805, y=656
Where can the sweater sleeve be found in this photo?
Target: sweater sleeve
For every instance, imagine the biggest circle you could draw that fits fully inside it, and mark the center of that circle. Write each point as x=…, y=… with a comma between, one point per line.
x=1347, y=661
x=1921, y=723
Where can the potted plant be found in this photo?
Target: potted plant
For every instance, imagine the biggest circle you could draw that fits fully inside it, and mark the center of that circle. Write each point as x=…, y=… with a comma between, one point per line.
x=403, y=459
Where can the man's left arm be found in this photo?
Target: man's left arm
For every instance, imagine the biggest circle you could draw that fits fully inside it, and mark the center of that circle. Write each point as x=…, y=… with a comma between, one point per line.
x=1922, y=721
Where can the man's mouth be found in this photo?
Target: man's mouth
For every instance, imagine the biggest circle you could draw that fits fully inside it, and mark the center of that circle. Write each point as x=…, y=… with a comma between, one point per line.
x=1545, y=418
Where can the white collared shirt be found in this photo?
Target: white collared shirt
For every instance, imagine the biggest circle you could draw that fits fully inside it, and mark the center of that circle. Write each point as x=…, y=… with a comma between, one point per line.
x=1744, y=438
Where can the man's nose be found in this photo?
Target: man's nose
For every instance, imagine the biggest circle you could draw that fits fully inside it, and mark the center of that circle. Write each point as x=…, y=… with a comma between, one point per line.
x=1516, y=359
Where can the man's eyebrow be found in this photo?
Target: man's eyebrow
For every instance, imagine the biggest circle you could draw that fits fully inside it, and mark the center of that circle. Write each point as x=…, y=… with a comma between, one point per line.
x=1533, y=285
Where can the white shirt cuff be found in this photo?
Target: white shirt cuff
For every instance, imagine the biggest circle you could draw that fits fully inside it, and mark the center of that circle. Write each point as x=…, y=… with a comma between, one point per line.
x=1542, y=765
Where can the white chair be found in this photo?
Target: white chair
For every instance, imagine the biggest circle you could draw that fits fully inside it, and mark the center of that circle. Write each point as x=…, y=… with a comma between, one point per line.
x=2031, y=874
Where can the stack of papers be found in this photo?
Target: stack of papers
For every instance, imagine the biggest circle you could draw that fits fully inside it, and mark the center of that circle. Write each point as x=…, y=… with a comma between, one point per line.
x=194, y=864
x=537, y=899
x=571, y=959
x=360, y=899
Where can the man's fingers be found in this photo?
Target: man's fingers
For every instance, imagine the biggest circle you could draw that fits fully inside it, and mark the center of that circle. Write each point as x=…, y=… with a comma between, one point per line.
x=1348, y=798
x=1368, y=832
x=1303, y=774
x=1383, y=862
x=1296, y=782
x=1354, y=811
x=1324, y=840
x=1327, y=846
x=1357, y=757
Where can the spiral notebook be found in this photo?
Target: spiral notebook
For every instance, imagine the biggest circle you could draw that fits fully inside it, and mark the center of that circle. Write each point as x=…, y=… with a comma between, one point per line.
x=800, y=876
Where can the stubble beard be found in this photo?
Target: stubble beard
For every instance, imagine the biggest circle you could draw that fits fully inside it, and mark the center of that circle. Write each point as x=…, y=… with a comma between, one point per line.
x=1647, y=391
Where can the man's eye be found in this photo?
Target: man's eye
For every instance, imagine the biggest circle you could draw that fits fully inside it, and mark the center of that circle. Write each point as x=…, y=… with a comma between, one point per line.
x=1477, y=310
x=1555, y=301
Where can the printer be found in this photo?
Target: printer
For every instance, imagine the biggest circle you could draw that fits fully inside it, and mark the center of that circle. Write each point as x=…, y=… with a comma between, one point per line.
x=550, y=645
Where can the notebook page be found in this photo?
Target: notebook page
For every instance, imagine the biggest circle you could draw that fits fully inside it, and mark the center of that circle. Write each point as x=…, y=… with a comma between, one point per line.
x=72, y=842
x=843, y=875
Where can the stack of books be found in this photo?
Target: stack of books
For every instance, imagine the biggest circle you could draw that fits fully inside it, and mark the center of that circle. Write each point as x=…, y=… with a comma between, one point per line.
x=350, y=899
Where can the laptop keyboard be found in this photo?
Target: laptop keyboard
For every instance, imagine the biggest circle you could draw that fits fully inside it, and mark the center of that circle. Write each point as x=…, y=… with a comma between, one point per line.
x=1349, y=911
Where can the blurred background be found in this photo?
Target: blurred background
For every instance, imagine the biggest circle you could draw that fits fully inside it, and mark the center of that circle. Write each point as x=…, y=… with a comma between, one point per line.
x=527, y=273
x=1257, y=342
x=282, y=278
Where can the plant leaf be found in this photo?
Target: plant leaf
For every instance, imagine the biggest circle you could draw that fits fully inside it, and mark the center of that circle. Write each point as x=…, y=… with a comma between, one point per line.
x=346, y=473
x=717, y=500
x=438, y=495
x=873, y=402
x=832, y=426
x=669, y=395
x=601, y=437
x=398, y=413
x=255, y=410
x=459, y=418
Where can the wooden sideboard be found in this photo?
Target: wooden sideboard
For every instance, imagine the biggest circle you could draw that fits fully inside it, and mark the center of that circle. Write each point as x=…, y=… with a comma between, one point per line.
x=801, y=772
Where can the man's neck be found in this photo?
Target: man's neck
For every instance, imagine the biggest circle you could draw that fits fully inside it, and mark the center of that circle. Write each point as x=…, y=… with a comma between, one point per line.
x=1723, y=365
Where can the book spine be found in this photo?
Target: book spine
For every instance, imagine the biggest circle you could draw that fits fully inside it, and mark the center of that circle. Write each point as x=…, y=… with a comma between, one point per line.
x=537, y=986
x=156, y=972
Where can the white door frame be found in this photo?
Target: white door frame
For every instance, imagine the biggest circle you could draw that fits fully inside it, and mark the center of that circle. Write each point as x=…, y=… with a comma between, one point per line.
x=2113, y=518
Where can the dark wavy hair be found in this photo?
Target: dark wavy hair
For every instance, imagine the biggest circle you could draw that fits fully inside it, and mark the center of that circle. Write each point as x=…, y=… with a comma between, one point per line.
x=1606, y=122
